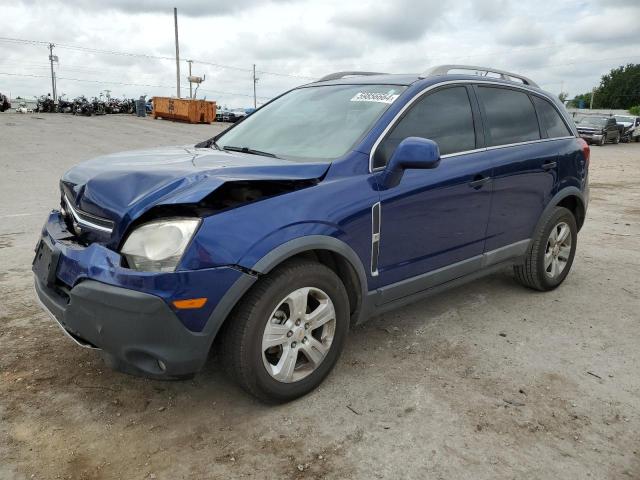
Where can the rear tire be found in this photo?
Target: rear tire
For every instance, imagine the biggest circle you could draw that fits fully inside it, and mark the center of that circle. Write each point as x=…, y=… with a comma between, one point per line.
x=287, y=333
x=551, y=253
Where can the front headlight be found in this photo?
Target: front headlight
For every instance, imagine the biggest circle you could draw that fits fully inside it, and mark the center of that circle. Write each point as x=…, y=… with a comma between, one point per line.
x=158, y=246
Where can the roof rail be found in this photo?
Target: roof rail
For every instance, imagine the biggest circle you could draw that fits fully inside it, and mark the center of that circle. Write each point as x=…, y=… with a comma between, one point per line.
x=483, y=71
x=339, y=75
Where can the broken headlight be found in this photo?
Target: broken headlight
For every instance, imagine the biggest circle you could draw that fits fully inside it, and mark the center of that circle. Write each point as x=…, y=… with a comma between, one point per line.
x=158, y=246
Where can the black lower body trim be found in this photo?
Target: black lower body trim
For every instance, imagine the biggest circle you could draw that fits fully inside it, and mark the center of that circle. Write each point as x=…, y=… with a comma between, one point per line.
x=505, y=255
x=137, y=332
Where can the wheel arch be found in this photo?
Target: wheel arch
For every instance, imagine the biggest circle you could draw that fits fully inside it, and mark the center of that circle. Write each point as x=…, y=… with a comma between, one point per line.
x=575, y=205
x=333, y=253
x=570, y=198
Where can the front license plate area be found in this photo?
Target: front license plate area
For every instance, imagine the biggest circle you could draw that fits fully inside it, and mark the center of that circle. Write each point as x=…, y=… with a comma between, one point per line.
x=45, y=263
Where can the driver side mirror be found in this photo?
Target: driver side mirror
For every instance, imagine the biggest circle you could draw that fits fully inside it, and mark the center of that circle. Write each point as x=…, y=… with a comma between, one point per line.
x=412, y=152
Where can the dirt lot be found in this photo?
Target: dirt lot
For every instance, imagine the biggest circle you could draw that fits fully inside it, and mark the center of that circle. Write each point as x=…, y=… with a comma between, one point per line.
x=488, y=381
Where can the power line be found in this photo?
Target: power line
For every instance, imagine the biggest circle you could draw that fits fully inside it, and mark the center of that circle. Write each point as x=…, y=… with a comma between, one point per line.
x=107, y=82
x=143, y=55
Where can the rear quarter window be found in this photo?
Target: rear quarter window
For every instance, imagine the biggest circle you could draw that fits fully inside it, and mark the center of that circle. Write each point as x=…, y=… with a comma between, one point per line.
x=510, y=116
x=550, y=119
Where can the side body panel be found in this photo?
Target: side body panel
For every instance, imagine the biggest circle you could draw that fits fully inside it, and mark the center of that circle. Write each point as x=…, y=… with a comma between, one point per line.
x=524, y=180
x=434, y=218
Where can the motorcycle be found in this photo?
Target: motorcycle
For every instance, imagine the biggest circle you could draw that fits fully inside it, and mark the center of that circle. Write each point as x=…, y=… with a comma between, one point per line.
x=129, y=105
x=45, y=104
x=112, y=105
x=4, y=103
x=82, y=106
x=64, y=106
x=98, y=106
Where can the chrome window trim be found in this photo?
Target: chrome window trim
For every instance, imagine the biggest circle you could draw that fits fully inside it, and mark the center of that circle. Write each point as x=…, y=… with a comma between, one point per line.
x=506, y=145
x=82, y=221
x=421, y=93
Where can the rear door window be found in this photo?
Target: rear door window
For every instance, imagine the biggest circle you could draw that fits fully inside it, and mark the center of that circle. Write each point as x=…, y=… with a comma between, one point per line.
x=510, y=116
x=444, y=116
x=550, y=119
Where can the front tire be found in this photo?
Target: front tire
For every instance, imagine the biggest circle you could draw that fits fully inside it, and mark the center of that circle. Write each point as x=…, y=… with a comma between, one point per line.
x=288, y=331
x=551, y=253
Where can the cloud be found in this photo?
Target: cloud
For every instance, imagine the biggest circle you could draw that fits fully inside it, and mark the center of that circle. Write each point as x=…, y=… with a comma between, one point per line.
x=521, y=31
x=612, y=26
x=490, y=10
x=552, y=42
x=185, y=7
x=401, y=20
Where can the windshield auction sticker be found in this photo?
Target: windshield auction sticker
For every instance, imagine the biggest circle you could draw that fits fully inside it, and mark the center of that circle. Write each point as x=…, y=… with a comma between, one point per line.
x=374, y=97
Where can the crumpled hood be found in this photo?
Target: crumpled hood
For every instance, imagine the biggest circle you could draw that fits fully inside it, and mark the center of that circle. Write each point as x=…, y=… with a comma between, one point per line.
x=122, y=186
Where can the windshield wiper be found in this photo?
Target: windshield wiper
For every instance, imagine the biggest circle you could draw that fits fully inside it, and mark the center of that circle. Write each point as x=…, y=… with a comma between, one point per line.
x=248, y=150
x=208, y=144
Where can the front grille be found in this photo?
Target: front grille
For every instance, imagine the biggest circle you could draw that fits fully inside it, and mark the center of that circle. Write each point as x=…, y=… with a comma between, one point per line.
x=84, y=219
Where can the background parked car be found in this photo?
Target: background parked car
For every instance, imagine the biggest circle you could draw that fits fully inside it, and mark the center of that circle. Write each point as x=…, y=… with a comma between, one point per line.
x=630, y=127
x=598, y=129
x=220, y=110
x=234, y=115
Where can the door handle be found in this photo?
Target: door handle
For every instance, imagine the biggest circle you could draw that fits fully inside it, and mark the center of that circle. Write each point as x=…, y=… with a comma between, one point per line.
x=549, y=165
x=478, y=181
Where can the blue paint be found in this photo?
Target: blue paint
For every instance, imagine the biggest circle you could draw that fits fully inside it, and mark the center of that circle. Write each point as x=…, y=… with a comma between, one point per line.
x=431, y=218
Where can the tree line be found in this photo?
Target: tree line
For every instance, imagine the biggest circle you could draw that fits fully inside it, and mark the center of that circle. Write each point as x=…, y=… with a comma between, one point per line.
x=618, y=89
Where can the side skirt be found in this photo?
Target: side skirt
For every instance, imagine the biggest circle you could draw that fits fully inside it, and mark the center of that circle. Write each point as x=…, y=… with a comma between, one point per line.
x=413, y=289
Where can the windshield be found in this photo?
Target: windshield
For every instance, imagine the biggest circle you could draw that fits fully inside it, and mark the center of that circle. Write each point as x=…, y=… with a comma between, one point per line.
x=599, y=121
x=312, y=123
x=622, y=118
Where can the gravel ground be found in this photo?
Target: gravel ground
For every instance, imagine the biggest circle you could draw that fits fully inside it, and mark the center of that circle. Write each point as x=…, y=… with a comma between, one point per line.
x=487, y=381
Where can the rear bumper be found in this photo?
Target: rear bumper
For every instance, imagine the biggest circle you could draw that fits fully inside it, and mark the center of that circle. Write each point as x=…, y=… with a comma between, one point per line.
x=137, y=332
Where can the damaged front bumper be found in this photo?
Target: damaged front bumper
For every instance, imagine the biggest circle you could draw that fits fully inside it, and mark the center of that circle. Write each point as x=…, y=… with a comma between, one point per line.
x=128, y=314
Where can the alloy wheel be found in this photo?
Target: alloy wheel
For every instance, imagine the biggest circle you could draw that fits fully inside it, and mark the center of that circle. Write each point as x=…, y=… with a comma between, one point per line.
x=558, y=250
x=298, y=334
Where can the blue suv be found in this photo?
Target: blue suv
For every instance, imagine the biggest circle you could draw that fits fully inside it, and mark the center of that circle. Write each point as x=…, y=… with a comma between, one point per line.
x=336, y=201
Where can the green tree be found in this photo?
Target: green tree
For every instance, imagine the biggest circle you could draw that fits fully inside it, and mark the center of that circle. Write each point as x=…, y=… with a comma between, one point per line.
x=585, y=97
x=635, y=110
x=620, y=88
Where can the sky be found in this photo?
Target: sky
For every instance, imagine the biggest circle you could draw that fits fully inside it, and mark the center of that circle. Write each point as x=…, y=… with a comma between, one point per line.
x=562, y=45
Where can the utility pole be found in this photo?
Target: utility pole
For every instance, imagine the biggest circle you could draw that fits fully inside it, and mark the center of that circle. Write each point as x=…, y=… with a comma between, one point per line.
x=190, y=87
x=175, y=21
x=593, y=94
x=255, y=80
x=53, y=74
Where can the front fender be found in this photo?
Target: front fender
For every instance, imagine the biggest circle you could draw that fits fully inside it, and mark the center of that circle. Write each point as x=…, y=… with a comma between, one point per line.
x=300, y=244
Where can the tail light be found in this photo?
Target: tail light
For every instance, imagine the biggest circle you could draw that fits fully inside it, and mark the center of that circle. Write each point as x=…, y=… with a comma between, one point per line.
x=586, y=151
